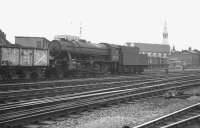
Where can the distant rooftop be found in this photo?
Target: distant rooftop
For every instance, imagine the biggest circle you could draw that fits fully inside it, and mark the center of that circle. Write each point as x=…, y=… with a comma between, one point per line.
x=157, y=48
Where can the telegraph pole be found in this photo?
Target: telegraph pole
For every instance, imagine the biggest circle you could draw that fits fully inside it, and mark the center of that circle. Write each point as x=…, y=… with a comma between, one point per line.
x=80, y=30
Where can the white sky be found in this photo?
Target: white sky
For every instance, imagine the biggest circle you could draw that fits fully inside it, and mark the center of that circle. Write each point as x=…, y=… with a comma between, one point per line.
x=112, y=21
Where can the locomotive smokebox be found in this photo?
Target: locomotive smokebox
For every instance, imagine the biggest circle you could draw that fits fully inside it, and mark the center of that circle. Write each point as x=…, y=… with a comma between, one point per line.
x=54, y=48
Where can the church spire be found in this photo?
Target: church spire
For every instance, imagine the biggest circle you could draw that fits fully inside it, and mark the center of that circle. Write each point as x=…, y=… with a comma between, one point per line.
x=165, y=34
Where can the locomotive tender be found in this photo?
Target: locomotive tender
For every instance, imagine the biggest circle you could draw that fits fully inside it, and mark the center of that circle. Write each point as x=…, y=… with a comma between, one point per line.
x=68, y=57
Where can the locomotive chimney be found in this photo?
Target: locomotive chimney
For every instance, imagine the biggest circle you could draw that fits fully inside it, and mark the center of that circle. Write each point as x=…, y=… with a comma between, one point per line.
x=189, y=49
x=128, y=44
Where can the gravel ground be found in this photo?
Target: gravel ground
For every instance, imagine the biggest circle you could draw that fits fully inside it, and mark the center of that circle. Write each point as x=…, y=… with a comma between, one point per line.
x=130, y=114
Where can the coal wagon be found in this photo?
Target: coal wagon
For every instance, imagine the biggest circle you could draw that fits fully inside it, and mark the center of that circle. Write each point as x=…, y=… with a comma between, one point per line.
x=17, y=62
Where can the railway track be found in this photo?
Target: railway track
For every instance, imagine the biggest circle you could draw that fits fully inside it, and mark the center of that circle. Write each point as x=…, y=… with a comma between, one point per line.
x=24, y=94
x=12, y=89
x=9, y=91
x=69, y=79
x=42, y=84
x=55, y=83
x=19, y=113
x=78, y=77
x=116, y=88
x=177, y=119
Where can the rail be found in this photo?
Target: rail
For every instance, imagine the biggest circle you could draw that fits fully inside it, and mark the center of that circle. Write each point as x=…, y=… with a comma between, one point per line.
x=104, y=86
x=176, y=119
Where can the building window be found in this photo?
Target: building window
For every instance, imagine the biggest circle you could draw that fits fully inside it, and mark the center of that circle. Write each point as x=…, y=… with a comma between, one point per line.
x=159, y=55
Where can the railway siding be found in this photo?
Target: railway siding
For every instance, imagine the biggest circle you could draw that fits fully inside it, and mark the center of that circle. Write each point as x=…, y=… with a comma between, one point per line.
x=89, y=99
x=24, y=94
x=16, y=112
x=175, y=119
x=135, y=89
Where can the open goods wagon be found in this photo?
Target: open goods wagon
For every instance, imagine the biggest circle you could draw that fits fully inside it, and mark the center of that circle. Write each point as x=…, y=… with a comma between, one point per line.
x=22, y=62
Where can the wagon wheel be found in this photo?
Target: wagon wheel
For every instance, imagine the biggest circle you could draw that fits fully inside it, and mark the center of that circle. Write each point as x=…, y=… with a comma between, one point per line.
x=21, y=74
x=34, y=75
x=5, y=75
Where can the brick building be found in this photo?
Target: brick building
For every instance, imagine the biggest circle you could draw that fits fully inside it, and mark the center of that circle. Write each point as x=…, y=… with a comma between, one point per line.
x=157, y=54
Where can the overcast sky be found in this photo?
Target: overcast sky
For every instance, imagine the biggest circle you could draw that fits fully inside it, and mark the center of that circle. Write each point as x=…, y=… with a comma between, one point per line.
x=112, y=21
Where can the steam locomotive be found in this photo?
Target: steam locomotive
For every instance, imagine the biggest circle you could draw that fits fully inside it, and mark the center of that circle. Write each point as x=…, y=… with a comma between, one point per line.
x=63, y=57
x=83, y=57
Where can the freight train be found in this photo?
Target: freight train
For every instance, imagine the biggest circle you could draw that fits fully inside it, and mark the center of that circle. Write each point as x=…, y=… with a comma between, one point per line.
x=69, y=57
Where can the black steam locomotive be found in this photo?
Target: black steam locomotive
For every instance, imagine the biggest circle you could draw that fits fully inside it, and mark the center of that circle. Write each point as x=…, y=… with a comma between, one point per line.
x=83, y=57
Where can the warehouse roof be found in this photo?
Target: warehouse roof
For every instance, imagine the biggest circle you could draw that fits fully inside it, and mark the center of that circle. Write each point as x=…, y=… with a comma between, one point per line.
x=157, y=48
x=31, y=37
